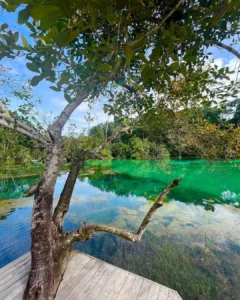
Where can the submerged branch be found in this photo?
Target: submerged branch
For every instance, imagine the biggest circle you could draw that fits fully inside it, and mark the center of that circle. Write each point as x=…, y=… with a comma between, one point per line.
x=86, y=231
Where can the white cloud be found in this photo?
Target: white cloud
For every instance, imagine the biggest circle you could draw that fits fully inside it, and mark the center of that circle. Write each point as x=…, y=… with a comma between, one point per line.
x=59, y=103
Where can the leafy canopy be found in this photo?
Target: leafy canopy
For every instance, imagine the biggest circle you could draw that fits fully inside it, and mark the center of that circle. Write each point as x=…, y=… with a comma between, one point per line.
x=95, y=46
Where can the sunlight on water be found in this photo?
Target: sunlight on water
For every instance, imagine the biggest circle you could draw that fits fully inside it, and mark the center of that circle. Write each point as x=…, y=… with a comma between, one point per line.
x=192, y=244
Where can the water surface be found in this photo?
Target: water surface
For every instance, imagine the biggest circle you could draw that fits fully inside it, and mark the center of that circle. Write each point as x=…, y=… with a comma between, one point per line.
x=192, y=244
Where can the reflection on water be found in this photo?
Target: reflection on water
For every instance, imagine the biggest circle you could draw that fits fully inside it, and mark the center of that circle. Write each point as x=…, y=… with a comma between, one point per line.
x=188, y=247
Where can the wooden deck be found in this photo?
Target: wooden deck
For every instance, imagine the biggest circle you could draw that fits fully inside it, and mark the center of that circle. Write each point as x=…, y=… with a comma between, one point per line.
x=86, y=278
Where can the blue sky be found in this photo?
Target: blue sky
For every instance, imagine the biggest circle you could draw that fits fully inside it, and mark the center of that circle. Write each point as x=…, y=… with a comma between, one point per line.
x=54, y=101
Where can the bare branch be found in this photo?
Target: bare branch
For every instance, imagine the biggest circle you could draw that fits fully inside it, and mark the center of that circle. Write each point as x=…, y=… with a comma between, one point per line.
x=222, y=45
x=9, y=122
x=86, y=231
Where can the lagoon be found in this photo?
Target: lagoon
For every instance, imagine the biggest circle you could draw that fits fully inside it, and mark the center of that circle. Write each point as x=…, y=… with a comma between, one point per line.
x=192, y=244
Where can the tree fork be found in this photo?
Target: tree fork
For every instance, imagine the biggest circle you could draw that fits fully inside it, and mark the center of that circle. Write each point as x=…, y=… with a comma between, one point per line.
x=86, y=231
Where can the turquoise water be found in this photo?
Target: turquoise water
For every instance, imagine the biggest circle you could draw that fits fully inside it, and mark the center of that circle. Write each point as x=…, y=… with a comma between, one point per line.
x=192, y=244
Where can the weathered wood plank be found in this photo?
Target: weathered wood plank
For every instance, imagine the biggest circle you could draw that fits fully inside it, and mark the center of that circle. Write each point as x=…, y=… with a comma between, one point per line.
x=118, y=285
x=14, y=264
x=154, y=291
x=13, y=290
x=109, y=285
x=86, y=278
x=78, y=289
x=63, y=293
x=136, y=287
x=101, y=283
x=11, y=278
x=163, y=293
x=173, y=295
x=144, y=291
x=125, y=291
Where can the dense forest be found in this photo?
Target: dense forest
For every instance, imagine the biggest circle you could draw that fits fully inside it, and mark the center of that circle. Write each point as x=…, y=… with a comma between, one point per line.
x=211, y=133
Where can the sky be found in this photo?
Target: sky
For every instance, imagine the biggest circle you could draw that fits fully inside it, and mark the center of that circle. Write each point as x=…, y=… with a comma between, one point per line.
x=54, y=101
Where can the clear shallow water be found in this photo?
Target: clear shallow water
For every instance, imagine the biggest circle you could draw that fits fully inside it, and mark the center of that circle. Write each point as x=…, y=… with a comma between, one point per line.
x=192, y=244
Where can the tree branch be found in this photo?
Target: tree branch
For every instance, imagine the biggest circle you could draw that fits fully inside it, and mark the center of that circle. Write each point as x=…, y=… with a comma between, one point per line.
x=33, y=188
x=150, y=33
x=78, y=162
x=222, y=45
x=7, y=121
x=56, y=127
x=86, y=231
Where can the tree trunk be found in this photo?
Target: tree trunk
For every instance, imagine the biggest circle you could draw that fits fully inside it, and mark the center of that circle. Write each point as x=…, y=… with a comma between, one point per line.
x=49, y=254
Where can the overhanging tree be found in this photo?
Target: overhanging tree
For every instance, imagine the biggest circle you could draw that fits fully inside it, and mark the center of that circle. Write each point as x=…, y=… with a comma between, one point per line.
x=88, y=48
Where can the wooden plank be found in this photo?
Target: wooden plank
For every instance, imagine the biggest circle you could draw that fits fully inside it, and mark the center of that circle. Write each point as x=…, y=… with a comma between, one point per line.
x=78, y=288
x=101, y=283
x=163, y=292
x=124, y=293
x=86, y=278
x=13, y=290
x=14, y=276
x=173, y=295
x=14, y=264
x=65, y=291
x=86, y=289
x=109, y=285
x=154, y=291
x=136, y=287
x=73, y=272
x=78, y=263
x=144, y=291
x=118, y=285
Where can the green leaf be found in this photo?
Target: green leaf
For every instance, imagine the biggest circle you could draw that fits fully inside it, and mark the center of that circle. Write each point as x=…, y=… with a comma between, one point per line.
x=111, y=18
x=56, y=89
x=65, y=7
x=143, y=57
x=35, y=80
x=98, y=4
x=45, y=40
x=4, y=26
x=105, y=67
x=53, y=33
x=121, y=3
x=67, y=97
x=138, y=87
x=140, y=41
x=25, y=43
x=128, y=52
x=46, y=12
x=174, y=66
x=66, y=37
x=23, y=15
x=32, y=67
x=3, y=47
x=119, y=61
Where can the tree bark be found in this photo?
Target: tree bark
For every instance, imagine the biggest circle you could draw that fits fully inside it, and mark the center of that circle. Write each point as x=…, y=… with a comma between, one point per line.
x=49, y=252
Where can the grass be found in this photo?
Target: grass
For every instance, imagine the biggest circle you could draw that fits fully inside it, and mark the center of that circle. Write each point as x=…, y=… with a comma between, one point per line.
x=18, y=171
